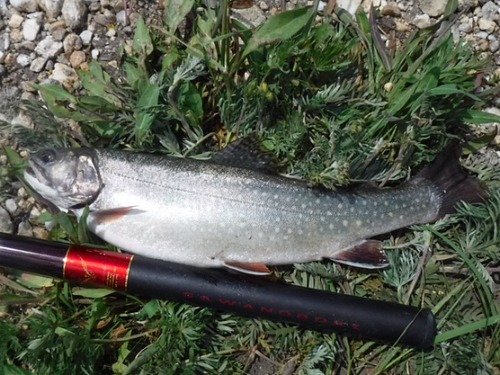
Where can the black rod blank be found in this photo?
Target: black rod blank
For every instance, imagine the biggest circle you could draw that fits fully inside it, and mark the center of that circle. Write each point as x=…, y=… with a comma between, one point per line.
x=219, y=289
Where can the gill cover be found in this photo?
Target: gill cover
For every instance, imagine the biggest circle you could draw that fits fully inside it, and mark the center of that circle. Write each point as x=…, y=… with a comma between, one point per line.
x=69, y=178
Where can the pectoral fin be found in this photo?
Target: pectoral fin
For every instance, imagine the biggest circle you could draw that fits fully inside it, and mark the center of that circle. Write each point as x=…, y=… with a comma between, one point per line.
x=258, y=269
x=111, y=215
x=367, y=254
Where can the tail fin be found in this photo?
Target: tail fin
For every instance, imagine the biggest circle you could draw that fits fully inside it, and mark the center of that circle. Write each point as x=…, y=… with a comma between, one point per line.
x=452, y=181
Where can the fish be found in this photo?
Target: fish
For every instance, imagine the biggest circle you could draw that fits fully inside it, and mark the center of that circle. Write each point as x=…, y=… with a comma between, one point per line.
x=235, y=211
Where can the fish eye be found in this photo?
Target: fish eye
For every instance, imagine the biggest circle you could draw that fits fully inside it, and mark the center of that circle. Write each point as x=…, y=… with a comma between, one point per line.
x=48, y=156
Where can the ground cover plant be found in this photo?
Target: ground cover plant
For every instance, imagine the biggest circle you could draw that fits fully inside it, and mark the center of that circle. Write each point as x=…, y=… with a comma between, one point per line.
x=335, y=106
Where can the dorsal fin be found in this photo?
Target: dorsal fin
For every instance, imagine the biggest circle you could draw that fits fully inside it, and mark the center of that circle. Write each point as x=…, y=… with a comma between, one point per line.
x=247, y=153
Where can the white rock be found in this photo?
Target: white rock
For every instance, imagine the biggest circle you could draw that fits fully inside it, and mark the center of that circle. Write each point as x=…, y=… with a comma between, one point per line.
x=254, y=15
x=486, y=25
x=48, y=47
x=28, y=6
x=23, y=59
x=86, y=37
x=111, y=33
x=433, y=8
x=490, y=11
x=51, y=7
x=77, y=58
x=494, y=45
x=466, y=26
x=16, y=36
x=72, y=42
x=422, y=21
x=25, y=229
x=95, y=53
x=64, y=74
x=5, y=221
x=3, y=8
x=15, y=21
x=121, y=17
x=38, y=64
x=31, y=28
x=4, y=42
x=350, y=5
x=74, y=13
x=11, y=206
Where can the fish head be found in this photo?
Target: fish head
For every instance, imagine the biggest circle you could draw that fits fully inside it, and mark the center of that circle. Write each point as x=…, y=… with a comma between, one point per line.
x=68, y=178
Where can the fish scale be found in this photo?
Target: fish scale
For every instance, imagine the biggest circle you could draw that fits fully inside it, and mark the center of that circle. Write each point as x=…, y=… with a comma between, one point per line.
x=211, y=215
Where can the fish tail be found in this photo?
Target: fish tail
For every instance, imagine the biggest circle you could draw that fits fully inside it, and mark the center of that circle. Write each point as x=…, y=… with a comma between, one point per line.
x=452, y=181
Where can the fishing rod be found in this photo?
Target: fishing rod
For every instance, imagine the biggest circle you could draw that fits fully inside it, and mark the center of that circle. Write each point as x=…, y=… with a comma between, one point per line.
x=219, y=289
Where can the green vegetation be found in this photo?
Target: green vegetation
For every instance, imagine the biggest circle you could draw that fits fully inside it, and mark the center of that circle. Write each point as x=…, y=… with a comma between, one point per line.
x=335, y=106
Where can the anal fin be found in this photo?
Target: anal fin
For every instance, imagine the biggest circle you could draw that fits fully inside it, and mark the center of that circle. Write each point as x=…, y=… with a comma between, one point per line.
x=367, y=254
x=249, y=268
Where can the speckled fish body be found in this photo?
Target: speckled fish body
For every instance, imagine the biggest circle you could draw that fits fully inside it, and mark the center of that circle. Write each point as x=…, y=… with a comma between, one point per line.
x=206, y=214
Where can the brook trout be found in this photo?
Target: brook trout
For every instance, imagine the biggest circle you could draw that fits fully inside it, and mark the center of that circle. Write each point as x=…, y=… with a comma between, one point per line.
x=208, y=214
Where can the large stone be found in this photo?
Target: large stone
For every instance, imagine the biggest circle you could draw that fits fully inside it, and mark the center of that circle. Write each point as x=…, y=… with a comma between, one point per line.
x=38, y=64
x=52, y=8
x=31, y=28
x=254, y=15
x=486, y=25
x=5, y=221
x=15, y=21
x=490, y=11
x=74, y=13
x=3, y=8
x=422, y=21
x=433, y=8
x=64, y=74
x=28, y=6
x=71, y=43
x=48, y=47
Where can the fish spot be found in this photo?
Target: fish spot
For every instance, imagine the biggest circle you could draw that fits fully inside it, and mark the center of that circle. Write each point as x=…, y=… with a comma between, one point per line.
x=289, y=231
x=364, y=203
x=390, y=214
x=401, y=217
x=318, y=201
x=304, y=206
x=375, y=204
x=278, y=219
x=345, y=223
x=340, y=206
x=275, y=196
x=358, y=223
x=386, y=203
x=352, y=209
x=260, y=235
x=331, y=226
x=277, y=230
x=300, y=231
x=329, y=213
x=285, y=237
x=271, y=238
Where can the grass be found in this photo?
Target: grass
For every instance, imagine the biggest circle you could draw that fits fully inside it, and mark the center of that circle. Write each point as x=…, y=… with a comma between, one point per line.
x=335, y=106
